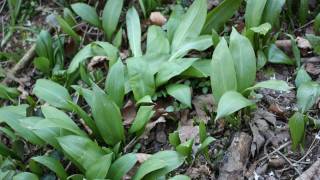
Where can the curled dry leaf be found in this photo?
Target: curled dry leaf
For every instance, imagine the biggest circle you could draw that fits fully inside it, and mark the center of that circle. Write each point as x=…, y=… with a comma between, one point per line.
x=129, y=112
x=157, y=18
x=303, y=43
x=276, y=108
x=95, y=61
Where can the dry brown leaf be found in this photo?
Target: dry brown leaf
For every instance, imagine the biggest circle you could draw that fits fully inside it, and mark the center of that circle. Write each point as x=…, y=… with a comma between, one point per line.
x=303, y=43
x=129, y=112
x=188, y=132
x=157, y=18
x=202, y=105
x=312, y=69
x=275, y=108
x=95, y=61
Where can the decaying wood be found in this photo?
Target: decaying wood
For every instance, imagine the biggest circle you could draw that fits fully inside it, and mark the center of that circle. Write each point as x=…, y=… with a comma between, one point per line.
x=236, y=159
x=24, y=62
x=312, y=173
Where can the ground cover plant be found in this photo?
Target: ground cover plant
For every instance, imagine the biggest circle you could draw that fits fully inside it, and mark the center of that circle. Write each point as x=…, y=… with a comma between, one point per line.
x=159, y=89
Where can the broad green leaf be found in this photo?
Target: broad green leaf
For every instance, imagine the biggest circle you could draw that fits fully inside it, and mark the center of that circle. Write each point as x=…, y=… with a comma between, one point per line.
x=253, y=16
x=316, y=25
x=261, y=59
x=307, y=95
x=215, y=37
x=68, y=29
x=202, y=131
x=174, y=21
x=172, y=160
x=82, y=55
x=110, y=16
x=220, y=15
x=223, y=74
x=117, y=40
x=206, y=142
x=273, y=84
x=99, y=170
x=148, y=5
x=231, y=102
x=275, y=55
x=53, y=93
x=44, y=46
x=142, y=118
x=146, y=99
x=180, y=177
x=5, y=151
x=157, y=42
x=200, y=69
x=155, y=61
x=42, y=64
x=303, y=11
x=108, y=50
x=191, y=24
x=83, y=152
x=69, y=17
x=244, y=60
x=200, y=43
x=86, y=93
x=297, y=129
x=57, y=118
x=25, y=176
x=263, y=29
x=315, y=42
x=185, y=148
x=107, y=117
x=302, y=77
x=53, y=164
x=174, y=139
x=148, y=167
x=173, y=68
x=180, y=92
x=87, y=13
x=115, y=83
x=134, y=32
x=121, y=166
x=271, y=13
x=8, y=93
x=140, y=78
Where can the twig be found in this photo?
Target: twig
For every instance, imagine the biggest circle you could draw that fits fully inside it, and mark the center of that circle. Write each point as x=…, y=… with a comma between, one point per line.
x=288, y=160
x=278, y=149
x=305, y=25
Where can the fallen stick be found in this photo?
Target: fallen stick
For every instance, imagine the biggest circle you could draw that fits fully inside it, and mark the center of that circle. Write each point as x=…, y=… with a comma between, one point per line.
x=25, y=61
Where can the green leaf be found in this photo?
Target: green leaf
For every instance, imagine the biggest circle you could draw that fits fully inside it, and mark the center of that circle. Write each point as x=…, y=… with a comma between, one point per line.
x=272, y=10
x=223, y=74
x=44, y=46
x=115, y=83
x=148, y=5
x=5, y=151
x=145, y=100
x=147, y=167
x=231, y=102
x=199, y=69
x=185, y=148
x=53, y=164
x=134, y=32
x=107, y=117
x=110, y=16
x=297, y=129
x=8, y=93
x=200, y=43
x=69, y=17
x=220, y=15
x=174, y=21
x=244, y=60
x=140, y=78
x=180, y=177
x=108, y=50
x=261, y=59
x=57, y=118
x=42, y=64
x=143, y=116
x=302, y=77
x=303, y=11
x=263, y=29
x=202, y=131
x=307, y=95
x=157, y=42
x=117, y=40
x=254, y=11
x=82, y=55
x=180, y=92
x=273, y=84
x=53, y=93
x=83, y=152
x=275, y=55
x=87, y=13
x=316, y=25
x=315, y=42
x=24, y=176
x=68, y=29
x=99, y=170
x=173, y=68
x=121, y=166
x=172, y=160
x=174, y=139
x=191, y=24
x=204, y=144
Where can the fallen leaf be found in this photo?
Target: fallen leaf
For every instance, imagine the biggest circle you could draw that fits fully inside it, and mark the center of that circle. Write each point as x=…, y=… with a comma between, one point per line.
x=303, y=43
x=95, y=61
x=275, y=108
x=312, y=69
x=204, y=105
x=129, y=112
x=188, y=132
x=157, y=18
